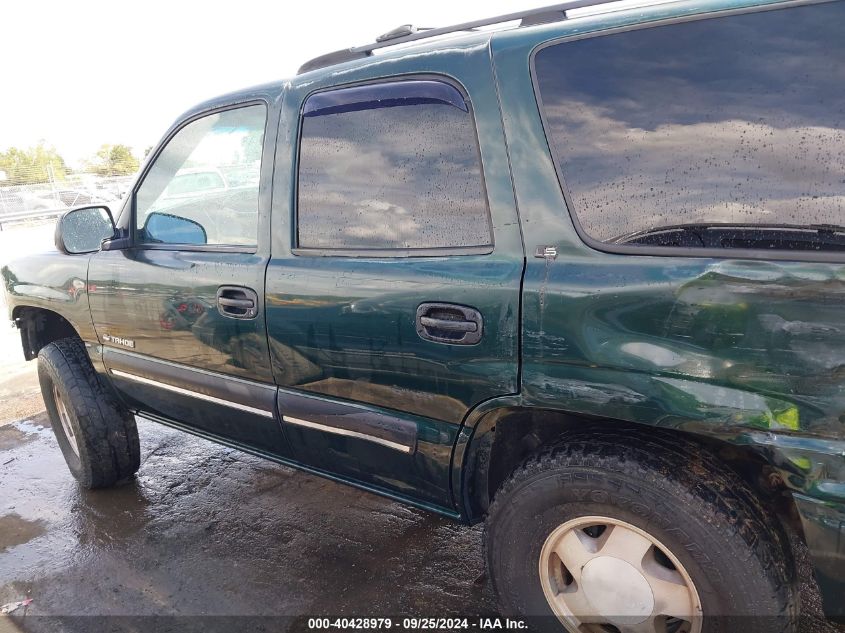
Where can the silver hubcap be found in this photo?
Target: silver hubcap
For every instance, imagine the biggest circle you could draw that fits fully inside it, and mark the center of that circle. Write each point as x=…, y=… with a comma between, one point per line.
x=64, y=418
x=600, y=574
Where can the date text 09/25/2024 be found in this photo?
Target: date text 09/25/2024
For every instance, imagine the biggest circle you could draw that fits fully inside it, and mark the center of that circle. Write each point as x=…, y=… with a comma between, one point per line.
x=430, y=624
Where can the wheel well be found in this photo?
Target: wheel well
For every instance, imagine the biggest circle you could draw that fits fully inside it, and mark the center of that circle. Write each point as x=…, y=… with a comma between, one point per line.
x=514, y=435
x=40, y=327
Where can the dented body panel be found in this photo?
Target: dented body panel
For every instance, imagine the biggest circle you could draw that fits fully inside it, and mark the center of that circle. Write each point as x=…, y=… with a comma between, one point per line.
x=747, y=351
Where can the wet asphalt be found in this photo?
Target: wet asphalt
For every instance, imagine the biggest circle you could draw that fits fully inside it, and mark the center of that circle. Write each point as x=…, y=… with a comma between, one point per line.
x=204, y=531
x=207, y=530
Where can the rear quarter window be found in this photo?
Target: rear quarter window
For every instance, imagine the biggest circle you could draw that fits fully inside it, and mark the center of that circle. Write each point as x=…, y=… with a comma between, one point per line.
x=717, y=133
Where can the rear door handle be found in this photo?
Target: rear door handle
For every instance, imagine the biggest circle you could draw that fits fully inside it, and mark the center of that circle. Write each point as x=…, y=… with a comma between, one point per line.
x=430, y=323
x=449, y=323
x=237, y=302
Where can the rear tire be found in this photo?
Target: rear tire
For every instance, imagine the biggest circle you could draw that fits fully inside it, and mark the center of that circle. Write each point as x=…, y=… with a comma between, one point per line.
x=699, y=524
x=97, y=435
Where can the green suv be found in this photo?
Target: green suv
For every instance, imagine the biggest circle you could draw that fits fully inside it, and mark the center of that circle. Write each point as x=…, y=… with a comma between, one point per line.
x=581, y=277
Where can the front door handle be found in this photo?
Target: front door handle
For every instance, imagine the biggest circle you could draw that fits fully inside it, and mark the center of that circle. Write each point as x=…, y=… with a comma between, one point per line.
x=237, y=302
x=449, y=323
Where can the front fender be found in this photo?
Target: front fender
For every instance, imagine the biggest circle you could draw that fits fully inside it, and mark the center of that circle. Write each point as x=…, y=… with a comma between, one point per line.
x=54, y=282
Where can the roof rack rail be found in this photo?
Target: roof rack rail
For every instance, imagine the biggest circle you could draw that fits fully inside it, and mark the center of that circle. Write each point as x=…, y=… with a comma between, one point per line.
x=408, y=33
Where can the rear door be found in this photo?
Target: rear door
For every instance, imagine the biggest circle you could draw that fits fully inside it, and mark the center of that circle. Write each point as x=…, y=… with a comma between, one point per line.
x=393, y=295
x=180, y=312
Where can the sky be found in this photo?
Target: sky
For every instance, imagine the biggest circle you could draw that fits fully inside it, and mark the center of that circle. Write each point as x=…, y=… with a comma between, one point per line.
x=81, y=73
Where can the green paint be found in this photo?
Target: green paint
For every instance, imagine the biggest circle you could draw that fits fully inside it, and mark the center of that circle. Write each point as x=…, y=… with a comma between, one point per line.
x=737, y=350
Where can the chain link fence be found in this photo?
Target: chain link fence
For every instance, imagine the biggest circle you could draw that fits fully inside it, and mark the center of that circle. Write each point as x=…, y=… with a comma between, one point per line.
x=31, y=201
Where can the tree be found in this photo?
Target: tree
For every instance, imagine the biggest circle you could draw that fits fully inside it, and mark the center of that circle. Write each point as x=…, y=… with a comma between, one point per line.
x=32, y=165
x=113, y=160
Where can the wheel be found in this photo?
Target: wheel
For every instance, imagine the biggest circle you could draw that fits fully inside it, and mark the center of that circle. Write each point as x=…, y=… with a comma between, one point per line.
x=98, y=437
x=648, y=535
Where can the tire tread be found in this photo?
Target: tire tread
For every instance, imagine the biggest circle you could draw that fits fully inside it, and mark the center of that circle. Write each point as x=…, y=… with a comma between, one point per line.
x=112, y=449
x=691, y=471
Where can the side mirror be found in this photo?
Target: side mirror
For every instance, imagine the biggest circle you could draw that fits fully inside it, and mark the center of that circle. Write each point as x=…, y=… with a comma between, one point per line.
x=173, y=229
x=83, y=230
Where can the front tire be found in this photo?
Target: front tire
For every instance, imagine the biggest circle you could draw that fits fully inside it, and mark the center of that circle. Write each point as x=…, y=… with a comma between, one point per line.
x=652, y=535
x=97, y=435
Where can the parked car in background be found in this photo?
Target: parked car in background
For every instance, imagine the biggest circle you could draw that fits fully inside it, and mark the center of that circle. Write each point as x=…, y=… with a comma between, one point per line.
x=21, y=201
x=582, y=279
x=78, y=197
x=195, y=181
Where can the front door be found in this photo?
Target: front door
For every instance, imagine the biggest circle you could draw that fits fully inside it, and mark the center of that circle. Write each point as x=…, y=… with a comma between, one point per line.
x=180, y=313
x=394, y=309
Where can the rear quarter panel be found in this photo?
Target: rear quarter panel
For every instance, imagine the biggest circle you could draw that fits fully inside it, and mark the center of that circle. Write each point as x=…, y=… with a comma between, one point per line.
x=750, y=351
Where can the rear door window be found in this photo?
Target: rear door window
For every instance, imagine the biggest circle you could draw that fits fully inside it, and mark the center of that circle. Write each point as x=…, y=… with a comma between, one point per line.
x=717, y=133
x=390, y=166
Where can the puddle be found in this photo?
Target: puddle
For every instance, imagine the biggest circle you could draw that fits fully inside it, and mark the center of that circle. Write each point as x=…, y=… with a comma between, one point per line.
x=35, y=424
x=20, y=433
x=10, y=438
x=15, y=530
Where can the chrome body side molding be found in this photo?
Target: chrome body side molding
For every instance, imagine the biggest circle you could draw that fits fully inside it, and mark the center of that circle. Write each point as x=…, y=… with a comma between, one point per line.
x=193, y=394
x=348, y=433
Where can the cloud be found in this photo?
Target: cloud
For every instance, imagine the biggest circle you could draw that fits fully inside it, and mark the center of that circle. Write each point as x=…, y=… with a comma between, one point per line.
x=626, y=178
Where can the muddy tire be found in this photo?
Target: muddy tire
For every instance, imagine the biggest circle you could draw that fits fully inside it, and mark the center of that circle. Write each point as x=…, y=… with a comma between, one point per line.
x=97, y=435
x=641, y=535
